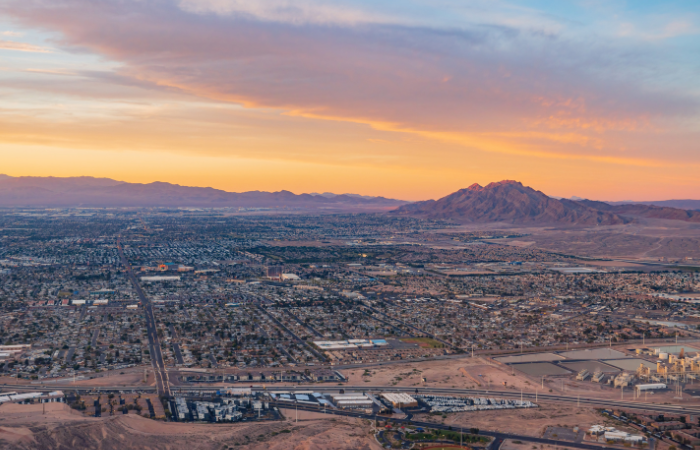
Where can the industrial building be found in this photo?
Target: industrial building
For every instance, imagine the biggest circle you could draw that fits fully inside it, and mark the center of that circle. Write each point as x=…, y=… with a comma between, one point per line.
x=440, y=403
x=32, y=397
x=650, y=387
x=352, y=401
x=160, y=278
x=400, y=400
x=350, y=344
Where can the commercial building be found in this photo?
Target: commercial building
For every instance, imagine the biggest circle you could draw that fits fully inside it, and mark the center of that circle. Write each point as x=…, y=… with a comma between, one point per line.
x=400, y=400
x=352, y=401
x=160, y=278
x=650, y=387
x=32, y=397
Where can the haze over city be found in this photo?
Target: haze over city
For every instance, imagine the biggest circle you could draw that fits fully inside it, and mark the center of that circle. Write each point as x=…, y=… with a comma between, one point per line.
x=349, y=225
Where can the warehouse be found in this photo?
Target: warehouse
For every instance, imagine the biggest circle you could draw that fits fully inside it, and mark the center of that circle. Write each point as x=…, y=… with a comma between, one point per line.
x=400, y=400
x=650, y=387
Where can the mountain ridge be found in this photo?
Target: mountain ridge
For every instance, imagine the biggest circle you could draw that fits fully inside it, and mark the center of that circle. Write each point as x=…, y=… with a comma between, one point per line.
x=106, y=192
x=511, y=202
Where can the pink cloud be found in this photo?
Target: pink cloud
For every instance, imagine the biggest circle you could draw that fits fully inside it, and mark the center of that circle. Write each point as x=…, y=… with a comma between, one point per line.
x=483, y=79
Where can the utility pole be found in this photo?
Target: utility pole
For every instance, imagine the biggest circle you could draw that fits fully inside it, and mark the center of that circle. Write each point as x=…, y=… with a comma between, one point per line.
x=535, y=395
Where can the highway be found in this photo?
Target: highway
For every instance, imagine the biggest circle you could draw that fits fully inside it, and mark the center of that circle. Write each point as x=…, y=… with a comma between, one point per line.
x=509, y=394
x=159, y=369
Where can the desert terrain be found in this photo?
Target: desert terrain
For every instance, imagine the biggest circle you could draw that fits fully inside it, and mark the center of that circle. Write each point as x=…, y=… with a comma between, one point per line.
x=26, y=427
x=648, y=241
x=482, y=373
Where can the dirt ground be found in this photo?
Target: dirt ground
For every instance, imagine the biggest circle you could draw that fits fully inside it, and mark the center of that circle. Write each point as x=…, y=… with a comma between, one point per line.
x=480, y=373
x=25, y=427
x=648, y=240
x=115, y=378
x=458, y=373
x=463, y=373
x=528, y=422
x=510, y=444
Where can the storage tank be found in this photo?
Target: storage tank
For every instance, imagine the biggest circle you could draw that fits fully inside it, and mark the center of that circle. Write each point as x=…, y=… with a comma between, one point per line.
x=663, y=355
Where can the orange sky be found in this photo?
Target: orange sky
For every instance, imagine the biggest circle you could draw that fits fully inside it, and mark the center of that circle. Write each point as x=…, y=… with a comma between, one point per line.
x=412, y=102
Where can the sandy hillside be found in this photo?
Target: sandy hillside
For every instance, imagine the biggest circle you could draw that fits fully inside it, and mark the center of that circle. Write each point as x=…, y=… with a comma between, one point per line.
x=25, y=427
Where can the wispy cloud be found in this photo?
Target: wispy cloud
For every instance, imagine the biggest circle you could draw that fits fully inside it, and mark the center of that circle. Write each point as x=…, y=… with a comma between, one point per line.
x=672, y=29
x=509, y=81
x=22, y=47
x=297, y=12
x=52, y=71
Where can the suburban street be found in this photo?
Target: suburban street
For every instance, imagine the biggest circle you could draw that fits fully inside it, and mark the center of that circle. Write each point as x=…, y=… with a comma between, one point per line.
x=159, y=369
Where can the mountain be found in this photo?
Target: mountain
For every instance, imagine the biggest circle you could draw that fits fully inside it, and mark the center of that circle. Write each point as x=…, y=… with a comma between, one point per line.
x=105, y=192
x=366, y=197
x=509, y=201
x=645, y=211
x=680, y=204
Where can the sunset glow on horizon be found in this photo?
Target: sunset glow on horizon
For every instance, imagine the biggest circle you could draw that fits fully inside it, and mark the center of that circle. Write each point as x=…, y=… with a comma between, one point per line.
x=404, y=99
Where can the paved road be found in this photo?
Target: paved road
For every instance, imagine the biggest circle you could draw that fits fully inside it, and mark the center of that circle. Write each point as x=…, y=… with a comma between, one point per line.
x=600, y=403
x=69, y=355
x=593, y=402
x=178, y=354
x=161, y=373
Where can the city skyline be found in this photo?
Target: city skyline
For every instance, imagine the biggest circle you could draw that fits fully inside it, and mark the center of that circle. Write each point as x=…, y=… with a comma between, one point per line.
x=408, y=100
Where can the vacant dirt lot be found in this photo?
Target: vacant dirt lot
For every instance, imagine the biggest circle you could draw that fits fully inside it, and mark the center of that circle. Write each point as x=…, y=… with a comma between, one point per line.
x=528, y=422
x=25, y=427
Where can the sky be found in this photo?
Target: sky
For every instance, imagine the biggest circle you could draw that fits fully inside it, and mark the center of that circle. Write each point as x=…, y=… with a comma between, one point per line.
x=409, y=99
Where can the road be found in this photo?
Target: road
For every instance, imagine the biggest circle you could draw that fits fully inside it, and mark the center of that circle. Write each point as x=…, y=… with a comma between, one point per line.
x=161, y=373
x=537, y=398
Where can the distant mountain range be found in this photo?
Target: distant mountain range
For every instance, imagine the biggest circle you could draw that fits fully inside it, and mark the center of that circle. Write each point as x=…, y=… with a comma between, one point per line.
x=105, y=192
x=511, y=202
x=505, y=201
x=681, y=204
